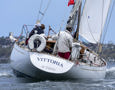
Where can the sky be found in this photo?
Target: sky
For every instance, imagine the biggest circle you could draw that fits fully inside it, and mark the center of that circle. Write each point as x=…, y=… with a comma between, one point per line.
x=15, y=13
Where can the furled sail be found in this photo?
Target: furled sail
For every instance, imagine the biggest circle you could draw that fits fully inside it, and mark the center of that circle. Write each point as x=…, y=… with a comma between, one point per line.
x=73, y=15
x=93, y=19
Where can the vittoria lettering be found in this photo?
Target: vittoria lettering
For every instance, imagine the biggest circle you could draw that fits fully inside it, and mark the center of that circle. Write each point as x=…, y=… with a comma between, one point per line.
x=50, y=61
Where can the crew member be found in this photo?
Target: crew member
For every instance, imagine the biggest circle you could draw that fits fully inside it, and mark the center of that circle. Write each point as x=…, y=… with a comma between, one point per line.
x=63, y=45
x=38, y=29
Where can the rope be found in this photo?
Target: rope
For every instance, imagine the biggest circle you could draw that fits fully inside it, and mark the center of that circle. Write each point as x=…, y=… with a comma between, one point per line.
x=88, y=23
x=50, y=29
x=90, y=29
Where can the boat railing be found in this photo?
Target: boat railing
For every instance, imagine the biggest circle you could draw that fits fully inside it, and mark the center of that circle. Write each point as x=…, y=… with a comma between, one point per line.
x=24, y=34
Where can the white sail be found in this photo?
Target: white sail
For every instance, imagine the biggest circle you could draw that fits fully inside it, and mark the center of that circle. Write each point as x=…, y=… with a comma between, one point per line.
x=93, y=19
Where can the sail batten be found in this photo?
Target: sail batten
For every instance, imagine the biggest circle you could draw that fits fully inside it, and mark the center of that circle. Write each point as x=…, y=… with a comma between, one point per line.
x=93, y=19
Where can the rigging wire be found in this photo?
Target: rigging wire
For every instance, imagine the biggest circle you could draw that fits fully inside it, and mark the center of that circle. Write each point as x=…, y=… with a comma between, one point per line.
x=63, y=21
x=39, y=9
x=42, y=13
x=90, y=29
x=88, y=22
x=108, y=21
x=45, y=10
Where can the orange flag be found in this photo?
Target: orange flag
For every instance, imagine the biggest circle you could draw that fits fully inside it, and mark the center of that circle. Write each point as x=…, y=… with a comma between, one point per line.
x=71, y=2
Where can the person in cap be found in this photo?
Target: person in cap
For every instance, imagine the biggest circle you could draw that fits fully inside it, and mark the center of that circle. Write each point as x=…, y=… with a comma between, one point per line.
x=63, y=45
x=38, y=29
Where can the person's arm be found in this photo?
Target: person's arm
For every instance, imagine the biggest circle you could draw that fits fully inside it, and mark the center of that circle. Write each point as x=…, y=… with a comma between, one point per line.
x=31, y=33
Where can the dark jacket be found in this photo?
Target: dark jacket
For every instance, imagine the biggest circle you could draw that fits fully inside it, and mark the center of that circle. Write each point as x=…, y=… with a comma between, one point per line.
x=38, y=29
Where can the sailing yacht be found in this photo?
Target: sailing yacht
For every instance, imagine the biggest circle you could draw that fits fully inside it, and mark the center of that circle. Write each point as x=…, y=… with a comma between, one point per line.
x=40, y=64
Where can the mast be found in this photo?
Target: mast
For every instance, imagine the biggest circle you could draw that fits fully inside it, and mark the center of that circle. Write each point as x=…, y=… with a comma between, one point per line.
x=73, y=18
x=77, y=30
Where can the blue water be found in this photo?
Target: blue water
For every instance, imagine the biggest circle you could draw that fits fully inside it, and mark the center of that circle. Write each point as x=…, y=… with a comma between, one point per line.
x=8, y=81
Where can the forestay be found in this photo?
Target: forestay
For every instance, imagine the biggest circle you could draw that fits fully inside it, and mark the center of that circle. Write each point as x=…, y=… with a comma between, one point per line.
x=93, y=19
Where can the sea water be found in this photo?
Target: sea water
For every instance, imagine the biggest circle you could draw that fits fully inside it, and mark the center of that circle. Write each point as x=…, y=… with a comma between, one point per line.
x=8, y=81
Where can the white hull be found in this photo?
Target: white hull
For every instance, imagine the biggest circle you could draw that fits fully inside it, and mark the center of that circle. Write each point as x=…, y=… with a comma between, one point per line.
x=21, y=62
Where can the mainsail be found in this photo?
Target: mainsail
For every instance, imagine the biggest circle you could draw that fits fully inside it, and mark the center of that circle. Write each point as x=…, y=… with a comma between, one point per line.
x=93, y=19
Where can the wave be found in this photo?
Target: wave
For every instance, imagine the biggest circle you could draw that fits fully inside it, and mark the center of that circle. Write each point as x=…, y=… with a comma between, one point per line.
x=5, y=74
x=110, y=73
x=110, y=69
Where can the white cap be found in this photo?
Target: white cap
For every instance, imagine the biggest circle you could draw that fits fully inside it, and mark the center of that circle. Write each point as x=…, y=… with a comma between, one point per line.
x=38, y=24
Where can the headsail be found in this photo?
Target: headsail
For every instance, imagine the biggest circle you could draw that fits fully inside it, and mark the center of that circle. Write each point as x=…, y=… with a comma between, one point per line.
x=93, y=19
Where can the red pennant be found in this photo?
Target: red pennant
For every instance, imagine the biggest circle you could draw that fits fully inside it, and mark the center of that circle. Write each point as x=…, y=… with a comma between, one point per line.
x=71, y=2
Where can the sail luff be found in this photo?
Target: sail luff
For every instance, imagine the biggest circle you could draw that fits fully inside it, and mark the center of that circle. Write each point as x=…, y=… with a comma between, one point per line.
x=93, y=19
